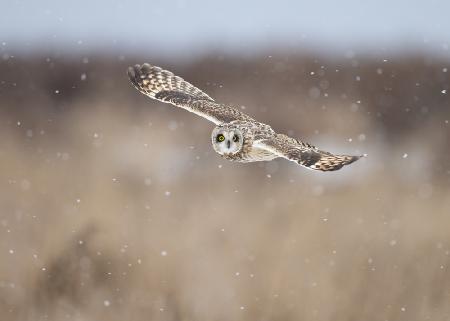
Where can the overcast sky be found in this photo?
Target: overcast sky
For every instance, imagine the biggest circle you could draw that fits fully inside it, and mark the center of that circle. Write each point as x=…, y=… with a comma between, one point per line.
x=232, y=24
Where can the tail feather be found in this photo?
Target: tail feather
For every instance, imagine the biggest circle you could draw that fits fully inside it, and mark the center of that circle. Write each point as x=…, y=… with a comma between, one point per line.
x=153, y=80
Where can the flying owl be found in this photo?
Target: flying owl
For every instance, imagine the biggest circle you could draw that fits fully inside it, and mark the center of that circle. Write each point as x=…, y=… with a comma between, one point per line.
x=237, y=136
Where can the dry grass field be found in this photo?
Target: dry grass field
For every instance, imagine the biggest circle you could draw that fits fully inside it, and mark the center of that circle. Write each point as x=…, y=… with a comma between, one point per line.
x=115, y=207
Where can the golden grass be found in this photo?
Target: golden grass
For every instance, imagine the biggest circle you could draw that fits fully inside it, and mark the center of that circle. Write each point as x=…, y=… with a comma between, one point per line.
x=107, y=214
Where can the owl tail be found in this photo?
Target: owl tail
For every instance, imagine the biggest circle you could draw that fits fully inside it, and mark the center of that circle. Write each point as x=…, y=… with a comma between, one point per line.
x=158, y=83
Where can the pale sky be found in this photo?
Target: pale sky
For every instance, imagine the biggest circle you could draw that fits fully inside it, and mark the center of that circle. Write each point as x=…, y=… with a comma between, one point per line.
x=183, y=25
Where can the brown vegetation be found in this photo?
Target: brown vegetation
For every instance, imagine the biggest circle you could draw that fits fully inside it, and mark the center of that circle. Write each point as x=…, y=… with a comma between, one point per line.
x=115, y=207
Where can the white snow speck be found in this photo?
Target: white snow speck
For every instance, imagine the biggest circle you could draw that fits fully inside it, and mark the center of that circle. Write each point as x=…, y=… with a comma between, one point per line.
x=242, y=308
x=403, y=309
x=56, y=91
x=405, y=155
x=83, y=77
x=393, y=242
x=444, y=91
x=163, y=253
x=106, y=303
x=11, y=251
x=167, y=193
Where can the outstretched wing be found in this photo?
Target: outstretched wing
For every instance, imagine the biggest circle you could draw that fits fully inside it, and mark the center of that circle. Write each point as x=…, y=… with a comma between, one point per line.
x=305, y=154
x=164, y=86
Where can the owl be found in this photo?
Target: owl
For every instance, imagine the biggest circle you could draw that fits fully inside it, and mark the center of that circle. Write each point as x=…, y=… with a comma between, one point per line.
x=237, y=136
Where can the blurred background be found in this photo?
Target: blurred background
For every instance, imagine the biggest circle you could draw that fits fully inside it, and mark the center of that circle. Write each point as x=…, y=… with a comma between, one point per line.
x=115, y=207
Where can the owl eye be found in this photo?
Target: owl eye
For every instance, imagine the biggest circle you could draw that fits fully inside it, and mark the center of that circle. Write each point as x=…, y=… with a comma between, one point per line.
x=220, y=138
x=235, y=138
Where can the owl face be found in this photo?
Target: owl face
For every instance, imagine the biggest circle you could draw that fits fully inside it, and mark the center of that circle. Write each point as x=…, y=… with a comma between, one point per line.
x=227, y=141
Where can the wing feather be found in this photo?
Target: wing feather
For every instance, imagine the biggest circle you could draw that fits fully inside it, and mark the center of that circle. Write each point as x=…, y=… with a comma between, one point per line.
x=164, y=86
x=305, y=154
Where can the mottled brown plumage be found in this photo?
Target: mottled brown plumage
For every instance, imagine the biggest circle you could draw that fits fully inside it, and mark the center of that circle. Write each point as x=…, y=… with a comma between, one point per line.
x=237, y=137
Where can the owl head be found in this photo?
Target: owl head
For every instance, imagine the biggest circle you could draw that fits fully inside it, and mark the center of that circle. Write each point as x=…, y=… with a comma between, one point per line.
x=227, y=139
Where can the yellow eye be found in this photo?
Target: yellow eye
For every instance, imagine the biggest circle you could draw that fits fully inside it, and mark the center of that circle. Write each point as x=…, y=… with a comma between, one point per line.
x=220, y=138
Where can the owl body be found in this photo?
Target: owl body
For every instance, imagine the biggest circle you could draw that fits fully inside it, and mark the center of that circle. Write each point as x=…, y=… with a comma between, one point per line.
x=251, y=132
x=236, y=137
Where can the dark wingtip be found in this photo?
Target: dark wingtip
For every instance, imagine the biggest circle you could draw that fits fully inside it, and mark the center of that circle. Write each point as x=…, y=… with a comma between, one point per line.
x=133, y=74
x=355, y=158
x=136, y=72
x=145, y=67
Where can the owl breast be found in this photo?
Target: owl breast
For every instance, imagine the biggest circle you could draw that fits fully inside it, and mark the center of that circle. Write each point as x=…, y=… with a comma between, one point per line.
x=251, y=154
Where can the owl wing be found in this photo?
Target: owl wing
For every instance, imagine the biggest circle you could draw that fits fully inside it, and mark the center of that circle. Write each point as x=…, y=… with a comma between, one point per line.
x=164, y=86
x=305, y=154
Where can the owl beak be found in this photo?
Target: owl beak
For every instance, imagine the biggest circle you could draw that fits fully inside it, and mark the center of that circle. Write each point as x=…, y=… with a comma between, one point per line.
x=228, y=144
